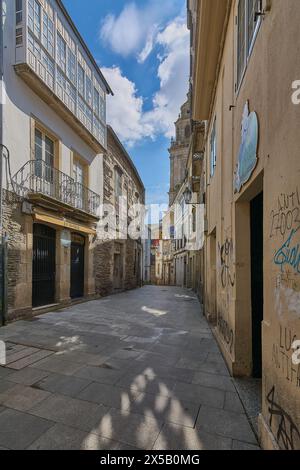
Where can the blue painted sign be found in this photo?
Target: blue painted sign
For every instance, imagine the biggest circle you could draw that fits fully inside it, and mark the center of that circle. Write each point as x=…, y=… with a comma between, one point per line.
x=247, y=159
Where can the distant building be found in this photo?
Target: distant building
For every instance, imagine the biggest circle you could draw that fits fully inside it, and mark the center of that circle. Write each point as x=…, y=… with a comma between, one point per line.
x=147, y=255
x=118, y=263
x=179, y=150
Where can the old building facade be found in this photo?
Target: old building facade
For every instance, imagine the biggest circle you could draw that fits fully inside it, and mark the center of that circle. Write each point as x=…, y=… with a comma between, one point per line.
x=54, y=132
x=118, y=262
x=243, y=64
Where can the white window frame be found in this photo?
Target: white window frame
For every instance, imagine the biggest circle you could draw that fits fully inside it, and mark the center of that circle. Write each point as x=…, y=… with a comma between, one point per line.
x=248, y=45
x=71, y=66
x=81, y=91
x=48, y=32
x=61, y=53
x=36, y=6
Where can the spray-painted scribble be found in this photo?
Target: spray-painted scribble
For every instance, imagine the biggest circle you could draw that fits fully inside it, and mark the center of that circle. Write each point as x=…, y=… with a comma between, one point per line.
x=288, y=254
x=286, y=432
x=226, y=259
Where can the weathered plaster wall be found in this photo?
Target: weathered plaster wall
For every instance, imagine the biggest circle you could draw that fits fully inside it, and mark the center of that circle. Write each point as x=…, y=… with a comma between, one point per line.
x=267, y=85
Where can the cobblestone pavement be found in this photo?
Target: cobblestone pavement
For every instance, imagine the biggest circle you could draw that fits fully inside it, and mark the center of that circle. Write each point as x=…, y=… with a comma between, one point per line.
x=138, y=370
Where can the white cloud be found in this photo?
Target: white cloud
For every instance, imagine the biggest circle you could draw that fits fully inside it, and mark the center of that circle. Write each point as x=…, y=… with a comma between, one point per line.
x=124, y=33
x=173, y=73
x=133, y=31
x=125, y=109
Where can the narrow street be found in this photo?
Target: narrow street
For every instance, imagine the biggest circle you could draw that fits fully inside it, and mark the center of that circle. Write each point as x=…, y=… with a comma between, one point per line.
x=138, y=370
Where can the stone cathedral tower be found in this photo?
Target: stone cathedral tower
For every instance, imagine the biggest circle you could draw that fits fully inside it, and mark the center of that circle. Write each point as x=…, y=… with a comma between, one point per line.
x=179, y=150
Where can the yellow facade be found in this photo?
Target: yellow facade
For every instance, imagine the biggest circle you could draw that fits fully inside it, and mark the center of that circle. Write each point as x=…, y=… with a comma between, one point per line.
x=252, y=243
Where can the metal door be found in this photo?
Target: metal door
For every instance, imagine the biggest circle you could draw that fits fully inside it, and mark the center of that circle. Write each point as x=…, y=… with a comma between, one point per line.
x=77, y=266
x=257, y=282
x=43, y=265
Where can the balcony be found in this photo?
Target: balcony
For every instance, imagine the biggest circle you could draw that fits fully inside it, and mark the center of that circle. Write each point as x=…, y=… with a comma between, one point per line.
x=42, y=83
x=47, y=186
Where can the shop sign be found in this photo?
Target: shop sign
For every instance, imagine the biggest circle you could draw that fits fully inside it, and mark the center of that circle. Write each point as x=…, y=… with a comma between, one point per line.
x=247, y=159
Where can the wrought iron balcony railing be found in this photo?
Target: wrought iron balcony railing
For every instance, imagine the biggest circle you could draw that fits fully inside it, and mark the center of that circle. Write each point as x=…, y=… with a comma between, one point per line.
x=36, y=177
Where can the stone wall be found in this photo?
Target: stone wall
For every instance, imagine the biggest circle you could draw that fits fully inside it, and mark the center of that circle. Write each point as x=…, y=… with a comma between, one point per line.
x=103, y=267
x=19, y=273
x=130, y=281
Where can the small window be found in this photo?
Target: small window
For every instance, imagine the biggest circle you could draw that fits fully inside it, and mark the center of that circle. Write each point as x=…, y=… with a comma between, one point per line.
x=34, y=17
x=71, y=66
x=194, y=220
x=88, y=90
x=96, y=102
x=61, y=52
x=213, y=149
x=48, y=33
x=241, y=40
x=19, y=37
x=254, y=6
x=81, y=86
x=248, y=23
x=19, y=13
x=118, y=184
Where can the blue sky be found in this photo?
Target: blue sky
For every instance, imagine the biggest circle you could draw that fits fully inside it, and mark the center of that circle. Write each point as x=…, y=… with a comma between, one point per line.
x=142, y=47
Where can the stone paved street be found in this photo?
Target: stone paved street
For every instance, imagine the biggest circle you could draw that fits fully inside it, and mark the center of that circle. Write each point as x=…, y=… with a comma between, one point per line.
x=138, y=370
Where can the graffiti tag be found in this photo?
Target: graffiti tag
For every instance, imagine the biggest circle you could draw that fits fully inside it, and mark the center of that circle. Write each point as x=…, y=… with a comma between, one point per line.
x=287, y=433
x=226, y=331
x=289, y=255
x=226, y=255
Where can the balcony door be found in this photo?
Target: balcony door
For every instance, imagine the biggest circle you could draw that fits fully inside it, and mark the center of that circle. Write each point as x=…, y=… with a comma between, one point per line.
x=79, y=178
x=44, y=180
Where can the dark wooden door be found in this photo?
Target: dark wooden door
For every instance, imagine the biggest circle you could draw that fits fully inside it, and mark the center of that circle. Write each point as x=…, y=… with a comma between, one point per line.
x=77, y=266
x=257, y=284
x=43, y=265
